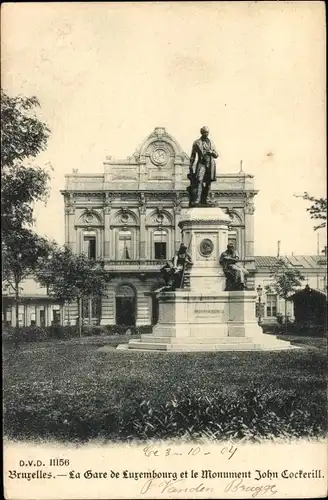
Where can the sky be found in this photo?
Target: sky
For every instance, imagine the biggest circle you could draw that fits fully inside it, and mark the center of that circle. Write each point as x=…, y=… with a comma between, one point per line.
x=107, y=74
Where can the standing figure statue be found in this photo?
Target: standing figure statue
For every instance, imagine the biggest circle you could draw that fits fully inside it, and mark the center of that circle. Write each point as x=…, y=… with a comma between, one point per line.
x=205, y=172
x=234, y=272
x=173, y=271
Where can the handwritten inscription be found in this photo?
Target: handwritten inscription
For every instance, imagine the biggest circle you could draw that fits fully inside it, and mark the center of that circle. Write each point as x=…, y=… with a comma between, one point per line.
x=152, y=451
x=238, y=485
x=178, y=486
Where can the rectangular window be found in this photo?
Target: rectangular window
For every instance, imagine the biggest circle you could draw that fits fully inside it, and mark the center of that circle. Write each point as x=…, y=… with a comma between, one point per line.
x=160, y=250
x=8, y=316
x=56, y=317
x=93, y=307
x=8, y=313
x=271, y=305
x=125, y=245
x=89, y=246
x=160, y=244
x=32, y=319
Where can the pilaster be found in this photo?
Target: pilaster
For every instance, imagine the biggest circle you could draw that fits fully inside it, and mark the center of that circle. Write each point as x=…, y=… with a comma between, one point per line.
x=107, y=211
x=249, y=228
x=143, y=308
x=142, y=219
x=177, y=219
x=108, y=308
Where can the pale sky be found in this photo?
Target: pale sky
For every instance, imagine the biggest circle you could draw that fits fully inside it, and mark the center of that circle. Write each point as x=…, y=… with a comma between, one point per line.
x=106, y=74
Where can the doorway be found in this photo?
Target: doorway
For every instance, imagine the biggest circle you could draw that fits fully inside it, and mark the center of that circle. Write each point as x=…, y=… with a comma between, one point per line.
x=125, y=306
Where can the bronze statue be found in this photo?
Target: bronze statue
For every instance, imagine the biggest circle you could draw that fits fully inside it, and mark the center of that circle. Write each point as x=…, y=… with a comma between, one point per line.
x=205, y=171
x=173, y=271
x=234, y=272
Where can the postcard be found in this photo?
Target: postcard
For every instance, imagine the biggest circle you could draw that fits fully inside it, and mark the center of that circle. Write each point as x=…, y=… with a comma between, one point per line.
x=164, y=250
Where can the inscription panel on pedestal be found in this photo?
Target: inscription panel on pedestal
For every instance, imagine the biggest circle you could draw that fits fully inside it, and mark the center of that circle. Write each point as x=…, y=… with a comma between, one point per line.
x=209, y=312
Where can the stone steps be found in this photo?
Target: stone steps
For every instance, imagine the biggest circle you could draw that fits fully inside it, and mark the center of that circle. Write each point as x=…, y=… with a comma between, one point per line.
x=149, y=338
x=198, y=345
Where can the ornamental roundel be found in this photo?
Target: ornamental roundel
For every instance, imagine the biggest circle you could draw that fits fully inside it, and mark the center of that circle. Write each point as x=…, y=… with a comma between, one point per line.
x=206, y=247
x=159, y=156
x=124, y=218
x=88, y=217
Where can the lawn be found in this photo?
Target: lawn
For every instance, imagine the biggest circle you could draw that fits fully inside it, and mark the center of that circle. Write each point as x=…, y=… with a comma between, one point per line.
x=74, y=391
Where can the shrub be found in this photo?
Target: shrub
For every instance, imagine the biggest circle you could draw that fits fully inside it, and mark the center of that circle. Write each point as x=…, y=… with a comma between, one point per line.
x=123, y=329
x=38, y=334
x=254, y=415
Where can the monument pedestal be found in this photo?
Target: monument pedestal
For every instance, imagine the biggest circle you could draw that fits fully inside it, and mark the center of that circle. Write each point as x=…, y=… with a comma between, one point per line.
x=204, y=317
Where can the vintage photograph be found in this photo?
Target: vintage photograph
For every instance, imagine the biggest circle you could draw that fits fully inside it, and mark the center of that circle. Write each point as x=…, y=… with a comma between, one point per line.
x=164, y=258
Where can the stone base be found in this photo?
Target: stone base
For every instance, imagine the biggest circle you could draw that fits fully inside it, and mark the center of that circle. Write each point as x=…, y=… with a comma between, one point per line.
x=152, y=343
x=190, y=321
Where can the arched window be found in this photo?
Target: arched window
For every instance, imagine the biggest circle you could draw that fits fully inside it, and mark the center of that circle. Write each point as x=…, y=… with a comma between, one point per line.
x=160, y=244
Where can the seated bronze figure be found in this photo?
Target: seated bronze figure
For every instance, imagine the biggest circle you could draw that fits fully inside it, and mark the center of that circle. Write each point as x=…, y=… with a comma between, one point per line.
x=173, y=271
x=235, y=274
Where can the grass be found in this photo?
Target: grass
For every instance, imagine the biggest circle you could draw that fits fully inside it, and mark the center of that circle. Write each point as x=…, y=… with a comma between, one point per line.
x=73, y=391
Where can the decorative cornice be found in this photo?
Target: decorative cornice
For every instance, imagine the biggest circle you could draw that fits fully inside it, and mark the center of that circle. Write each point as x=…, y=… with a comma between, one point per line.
x=202, y=222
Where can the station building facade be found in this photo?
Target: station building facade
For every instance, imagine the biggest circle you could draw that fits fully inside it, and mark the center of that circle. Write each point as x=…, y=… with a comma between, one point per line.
x=127, y=219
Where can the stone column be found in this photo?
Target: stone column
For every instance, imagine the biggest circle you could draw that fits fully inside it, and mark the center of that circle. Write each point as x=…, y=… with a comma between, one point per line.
x=249, y=243
x=249, y=230
x=62, y=314
x=13, y=315
x=177, y=231
x=107, y=210
x=71, y=229
x=25, y=316
x=142, y=235
x=37, y=315
x=67, y=210
x=46, y=314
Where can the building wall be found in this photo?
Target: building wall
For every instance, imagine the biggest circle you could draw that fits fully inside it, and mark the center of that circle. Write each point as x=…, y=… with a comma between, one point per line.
x=35, y=307
x=315, y=277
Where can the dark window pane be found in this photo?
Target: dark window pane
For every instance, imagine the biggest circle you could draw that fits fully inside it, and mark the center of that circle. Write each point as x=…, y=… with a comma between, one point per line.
x=92, y=248
x=160, y=250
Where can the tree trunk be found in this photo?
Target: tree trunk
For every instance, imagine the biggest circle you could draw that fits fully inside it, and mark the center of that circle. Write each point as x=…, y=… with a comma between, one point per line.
x=16, y=334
